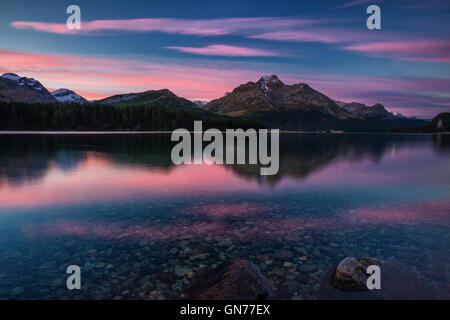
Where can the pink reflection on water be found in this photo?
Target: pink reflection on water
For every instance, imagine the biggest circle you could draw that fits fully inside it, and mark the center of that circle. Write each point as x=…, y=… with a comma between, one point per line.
x=98, y=179
x=115, y=231
x=254, y=229
x=434, y=212
x=120, y=231
x=391, y=167
x=227, y=210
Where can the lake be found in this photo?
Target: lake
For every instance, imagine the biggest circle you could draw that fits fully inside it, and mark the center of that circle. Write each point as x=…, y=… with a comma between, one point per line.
x=141, y=228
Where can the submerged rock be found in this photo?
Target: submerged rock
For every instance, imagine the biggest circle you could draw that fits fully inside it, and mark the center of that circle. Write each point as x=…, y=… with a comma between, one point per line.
x=242, y=281
x=307, y=268
x=200, y=257
x=350, y=273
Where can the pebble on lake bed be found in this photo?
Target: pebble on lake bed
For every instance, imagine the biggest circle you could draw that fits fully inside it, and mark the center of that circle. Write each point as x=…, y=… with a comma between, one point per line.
x=242, y=281
x=350, y=273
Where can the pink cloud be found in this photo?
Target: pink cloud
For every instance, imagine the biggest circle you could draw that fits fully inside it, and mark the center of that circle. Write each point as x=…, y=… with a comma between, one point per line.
x=201, y=27
x=96, y=77
x=226, y=50
x=385, y=44
x=414, y=50
x=323, y=34
x=103, y=76
x=299, y=36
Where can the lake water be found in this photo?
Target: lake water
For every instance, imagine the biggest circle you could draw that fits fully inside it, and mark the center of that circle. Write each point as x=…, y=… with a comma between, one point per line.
x=141, y=228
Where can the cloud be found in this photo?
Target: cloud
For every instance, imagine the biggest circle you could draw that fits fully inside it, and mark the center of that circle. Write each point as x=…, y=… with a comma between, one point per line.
x=392, y=45
x=200, y=27
x=386, y=45
x=413, y=50
x=355, y=3
x=226, y=50
x=96, y=77
x=316, y=35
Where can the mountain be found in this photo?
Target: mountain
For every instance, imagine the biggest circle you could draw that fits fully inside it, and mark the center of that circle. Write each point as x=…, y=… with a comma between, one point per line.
x=269, y=93
x=300, y=107
x=157, y=97
x=267, y=102
x=66, y=95
x=200, y=103
x=363, y=111
x=440, y=123
x=399, y=115
x=22, y=89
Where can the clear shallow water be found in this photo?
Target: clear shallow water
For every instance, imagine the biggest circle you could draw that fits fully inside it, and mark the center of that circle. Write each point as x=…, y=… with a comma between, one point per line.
x=141, y=228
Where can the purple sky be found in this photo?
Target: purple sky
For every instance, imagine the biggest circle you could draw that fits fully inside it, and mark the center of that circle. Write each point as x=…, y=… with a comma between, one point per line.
x=201, y=49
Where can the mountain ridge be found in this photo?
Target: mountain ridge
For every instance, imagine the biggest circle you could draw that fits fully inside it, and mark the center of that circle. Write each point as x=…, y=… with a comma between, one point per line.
x=162, y=96
x=299, y=107
x=270, y=93
x=268, y=101
x=66, y=95
x=23, y=89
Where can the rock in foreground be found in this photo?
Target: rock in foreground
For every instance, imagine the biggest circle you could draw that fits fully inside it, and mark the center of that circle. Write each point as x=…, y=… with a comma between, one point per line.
x=350, y=274
x=242, y=281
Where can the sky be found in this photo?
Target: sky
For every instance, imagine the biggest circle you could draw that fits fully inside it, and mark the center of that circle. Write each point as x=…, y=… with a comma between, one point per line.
x=202, y=49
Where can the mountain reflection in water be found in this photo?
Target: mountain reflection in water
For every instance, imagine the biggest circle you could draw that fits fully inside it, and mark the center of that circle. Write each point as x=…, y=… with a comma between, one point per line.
x=143, y=228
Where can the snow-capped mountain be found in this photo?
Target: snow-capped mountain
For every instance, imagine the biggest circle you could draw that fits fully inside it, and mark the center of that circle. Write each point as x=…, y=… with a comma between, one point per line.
x=267, y=83
x=399, y=115
x=16, y=88
x=66, y=95
x=200, y=103
x=269, y=93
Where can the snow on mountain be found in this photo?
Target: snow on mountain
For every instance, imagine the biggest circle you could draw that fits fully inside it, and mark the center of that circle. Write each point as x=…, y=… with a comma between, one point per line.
x=200, y=103
x=16, y=88
x=66, y=95
x=270, y=93
x=399, y=115
x=11, y=76
x=21, y=81
x=266, y=82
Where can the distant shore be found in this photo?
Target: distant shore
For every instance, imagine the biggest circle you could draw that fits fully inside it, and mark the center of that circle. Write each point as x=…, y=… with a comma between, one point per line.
x=161, y=132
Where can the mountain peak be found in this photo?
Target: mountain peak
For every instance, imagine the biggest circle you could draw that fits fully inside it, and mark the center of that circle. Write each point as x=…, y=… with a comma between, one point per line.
x=10, y=76
x=268, y=82
x=23, y=80
x=162, y=96
x=269, y=78
x=66, y=95
x=61, y=91
x=16, y=88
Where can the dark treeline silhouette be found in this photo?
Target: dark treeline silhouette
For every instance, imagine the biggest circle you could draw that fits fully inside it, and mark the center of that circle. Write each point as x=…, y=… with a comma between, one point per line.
x=98, y=117
x=440, y=123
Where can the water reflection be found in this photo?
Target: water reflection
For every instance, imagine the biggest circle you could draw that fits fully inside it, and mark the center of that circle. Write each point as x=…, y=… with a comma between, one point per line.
x=29, y=158
x=143, y=228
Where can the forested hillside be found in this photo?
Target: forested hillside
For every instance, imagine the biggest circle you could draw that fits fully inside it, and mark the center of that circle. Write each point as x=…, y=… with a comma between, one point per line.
x=98, y=117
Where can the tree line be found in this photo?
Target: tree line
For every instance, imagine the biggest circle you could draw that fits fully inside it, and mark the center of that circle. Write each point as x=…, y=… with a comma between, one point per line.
x=99, y=117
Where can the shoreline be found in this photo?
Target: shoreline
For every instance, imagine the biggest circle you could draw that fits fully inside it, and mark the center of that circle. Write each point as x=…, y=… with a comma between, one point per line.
x=30, y=132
